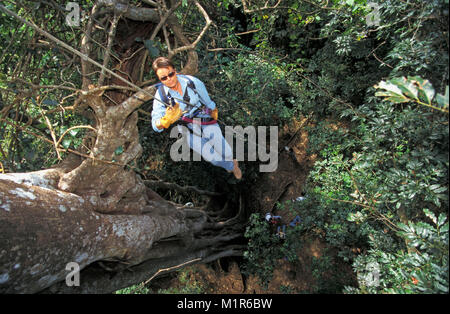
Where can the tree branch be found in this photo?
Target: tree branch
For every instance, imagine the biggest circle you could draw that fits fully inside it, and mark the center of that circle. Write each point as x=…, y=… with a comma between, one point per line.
x=111, y=36
x=265, y=7
x=86, y=47
x=163, y=20
x=168, y=270
x=199, y=37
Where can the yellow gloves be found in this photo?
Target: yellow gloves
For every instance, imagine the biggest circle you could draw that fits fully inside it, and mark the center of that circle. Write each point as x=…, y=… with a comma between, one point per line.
x=172, y=115
x=215, y=114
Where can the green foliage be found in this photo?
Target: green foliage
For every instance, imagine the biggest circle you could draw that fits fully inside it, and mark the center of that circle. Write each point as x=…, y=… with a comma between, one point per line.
x=413, y=89
x=266, y=98
x=187, y=283
x=329, y=203
x=265, y=248
x=135, y=289
x=380, y=164
x=328, y=274
x=392, y=168
x=423, y=269
x=286, y=289
x=26, y=60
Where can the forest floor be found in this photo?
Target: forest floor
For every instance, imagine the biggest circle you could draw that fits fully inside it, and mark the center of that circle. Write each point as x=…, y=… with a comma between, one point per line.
x=286, y=183
x=225, y=277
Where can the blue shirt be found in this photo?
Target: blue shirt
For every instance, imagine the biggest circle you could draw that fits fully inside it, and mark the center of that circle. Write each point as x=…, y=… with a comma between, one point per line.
x=159, y=109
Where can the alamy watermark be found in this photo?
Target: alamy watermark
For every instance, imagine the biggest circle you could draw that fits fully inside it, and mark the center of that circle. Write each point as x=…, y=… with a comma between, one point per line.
x=370, y=277
x=373, y=18
x=73, y=278
x=209, y=144
x=74, y=16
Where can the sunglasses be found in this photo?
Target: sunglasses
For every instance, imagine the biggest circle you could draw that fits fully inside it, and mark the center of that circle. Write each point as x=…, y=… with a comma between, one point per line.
x=170, y=75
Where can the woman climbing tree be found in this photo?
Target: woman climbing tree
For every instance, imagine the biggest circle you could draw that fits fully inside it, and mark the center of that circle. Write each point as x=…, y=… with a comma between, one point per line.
x=172, y=105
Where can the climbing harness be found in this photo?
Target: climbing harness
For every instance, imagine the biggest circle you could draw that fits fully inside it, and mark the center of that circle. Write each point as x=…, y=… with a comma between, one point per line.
x=170, y=100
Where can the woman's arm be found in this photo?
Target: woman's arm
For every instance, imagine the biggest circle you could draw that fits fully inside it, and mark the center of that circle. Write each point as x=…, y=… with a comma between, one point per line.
x=159, y=110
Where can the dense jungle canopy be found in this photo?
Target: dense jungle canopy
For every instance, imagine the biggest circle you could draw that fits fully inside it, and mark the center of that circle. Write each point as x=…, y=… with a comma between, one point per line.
x=358, y=90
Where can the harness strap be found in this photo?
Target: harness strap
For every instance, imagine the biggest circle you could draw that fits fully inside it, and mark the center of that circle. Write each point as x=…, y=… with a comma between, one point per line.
x=166, y=98
x=163, y=95
x=203, y=121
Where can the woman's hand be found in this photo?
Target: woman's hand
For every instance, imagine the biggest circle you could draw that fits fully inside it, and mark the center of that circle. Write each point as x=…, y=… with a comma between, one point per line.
x=214, y=114
x=171, y=116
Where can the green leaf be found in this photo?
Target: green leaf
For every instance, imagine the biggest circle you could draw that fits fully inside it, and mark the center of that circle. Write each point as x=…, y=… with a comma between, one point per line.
x=442, y=100
x=437, y=202
x=426, y=90
x=50, y=102
x=41, y=126
x=152, y=49
x=74, y=132
x=440, y=190
x=434, y=186
x=119, y=150
x=66, y=142
x=407, y=87
x=62, y=130
x=389, y=87
x=441, y=220
x=393, y=92
x=395, y=98
x=441, y=287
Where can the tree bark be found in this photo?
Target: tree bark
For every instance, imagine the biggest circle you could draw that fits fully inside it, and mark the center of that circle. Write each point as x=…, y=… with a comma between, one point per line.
x=44, y=229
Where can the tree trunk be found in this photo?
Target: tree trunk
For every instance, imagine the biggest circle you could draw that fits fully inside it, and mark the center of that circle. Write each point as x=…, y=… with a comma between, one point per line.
x=44, y=229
